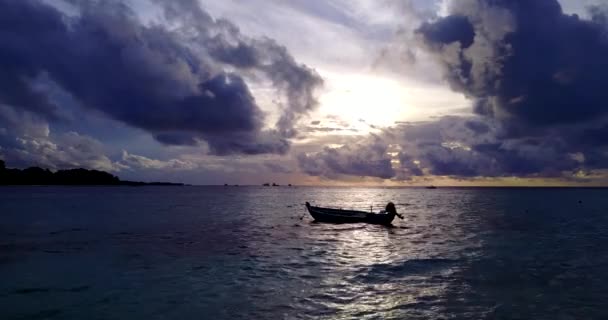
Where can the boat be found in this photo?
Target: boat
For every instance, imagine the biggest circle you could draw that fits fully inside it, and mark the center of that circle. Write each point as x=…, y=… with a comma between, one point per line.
x=332, y=215
x=431, y=187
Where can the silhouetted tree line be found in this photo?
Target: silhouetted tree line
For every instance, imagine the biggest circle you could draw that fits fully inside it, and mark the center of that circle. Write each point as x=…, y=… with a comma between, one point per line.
x=39, y=176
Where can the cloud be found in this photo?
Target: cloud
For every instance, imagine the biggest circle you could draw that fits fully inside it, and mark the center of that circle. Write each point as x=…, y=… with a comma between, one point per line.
x=448, y=30
x=310, y=129
x=183, y=81
x=137, y=162
x=199, y=168
x=27, y=141
x=367, y=159
x=599, y=14
x=524, y=62
x=461, y=148
x=537, y=78
x=453, y=146
x=277, y=168
x=224, y=42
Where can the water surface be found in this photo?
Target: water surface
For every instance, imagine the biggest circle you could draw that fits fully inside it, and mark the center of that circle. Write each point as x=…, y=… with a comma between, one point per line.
x=254, y=253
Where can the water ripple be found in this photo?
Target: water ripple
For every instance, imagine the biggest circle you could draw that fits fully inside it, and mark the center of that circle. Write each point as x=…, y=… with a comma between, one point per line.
x=248, y=253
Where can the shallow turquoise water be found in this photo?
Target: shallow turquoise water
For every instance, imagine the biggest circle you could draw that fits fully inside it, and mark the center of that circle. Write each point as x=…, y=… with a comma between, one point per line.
x=245, y=253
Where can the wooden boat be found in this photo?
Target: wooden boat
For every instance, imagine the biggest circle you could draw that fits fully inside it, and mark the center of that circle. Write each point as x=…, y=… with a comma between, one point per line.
x=331, y=215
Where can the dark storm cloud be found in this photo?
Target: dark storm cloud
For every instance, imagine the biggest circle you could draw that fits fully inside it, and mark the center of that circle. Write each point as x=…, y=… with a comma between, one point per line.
x=599, y=14
x=225, y=43
x=477, y=126
x=367, y=159
x=448, y=30
x=149, y=76
x=595, y=136
x=268, y=141
x=410, y=167
x=176, y=139
x=528, y=62
x=18, y=63
x=465, y=147
x=462, y=148
x=443, y=147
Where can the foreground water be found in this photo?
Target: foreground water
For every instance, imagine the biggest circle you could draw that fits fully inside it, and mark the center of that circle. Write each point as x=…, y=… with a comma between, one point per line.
x=247, y=253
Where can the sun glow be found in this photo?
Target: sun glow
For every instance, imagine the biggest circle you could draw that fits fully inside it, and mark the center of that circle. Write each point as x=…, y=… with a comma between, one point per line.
x=364, y=100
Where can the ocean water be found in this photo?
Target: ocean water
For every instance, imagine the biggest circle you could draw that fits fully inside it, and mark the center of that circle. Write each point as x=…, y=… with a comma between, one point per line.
x=254, y=253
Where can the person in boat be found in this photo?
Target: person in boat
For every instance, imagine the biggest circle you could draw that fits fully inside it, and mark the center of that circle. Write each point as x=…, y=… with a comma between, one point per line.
x=390, y=209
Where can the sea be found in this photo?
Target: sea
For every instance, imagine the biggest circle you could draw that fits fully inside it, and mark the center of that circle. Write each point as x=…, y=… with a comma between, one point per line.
x=255, y=253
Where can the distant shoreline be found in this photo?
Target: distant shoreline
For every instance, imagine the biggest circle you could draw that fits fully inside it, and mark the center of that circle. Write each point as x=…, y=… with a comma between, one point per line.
x=100, y=185
x=35, y=176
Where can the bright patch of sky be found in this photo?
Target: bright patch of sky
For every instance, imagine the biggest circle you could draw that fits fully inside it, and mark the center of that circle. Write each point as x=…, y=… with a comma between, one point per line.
x=347, y=43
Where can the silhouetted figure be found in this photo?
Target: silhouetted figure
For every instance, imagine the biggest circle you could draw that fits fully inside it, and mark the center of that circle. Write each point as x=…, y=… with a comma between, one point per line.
x=390, y=209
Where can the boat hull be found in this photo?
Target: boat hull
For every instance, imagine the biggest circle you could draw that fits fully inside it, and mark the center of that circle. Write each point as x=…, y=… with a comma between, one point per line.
x=330, y=215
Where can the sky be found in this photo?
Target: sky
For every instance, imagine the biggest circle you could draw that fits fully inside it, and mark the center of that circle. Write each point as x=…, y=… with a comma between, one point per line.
x=310, y=92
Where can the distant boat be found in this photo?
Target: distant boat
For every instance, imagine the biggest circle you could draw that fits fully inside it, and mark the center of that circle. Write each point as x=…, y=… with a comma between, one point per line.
x=289, y=185
x=331, y=215
x=275, y=185
x=431, y=187
x=266, y=184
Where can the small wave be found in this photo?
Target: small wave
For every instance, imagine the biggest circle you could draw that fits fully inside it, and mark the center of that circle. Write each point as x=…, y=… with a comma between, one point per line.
x=53, y=251
x=78, y=289
x=66, y=231
x=384, y=271
x=334, y=298
x=44, y=314
x=34, y=290
x=315, y=308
